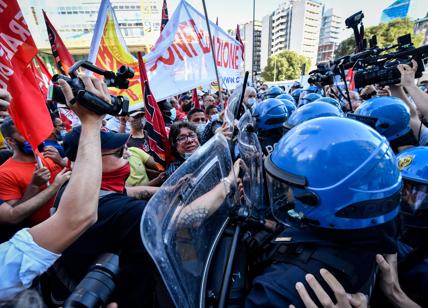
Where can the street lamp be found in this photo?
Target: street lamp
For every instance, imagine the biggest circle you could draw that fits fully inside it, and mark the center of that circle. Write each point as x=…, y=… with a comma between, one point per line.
x=254, y=35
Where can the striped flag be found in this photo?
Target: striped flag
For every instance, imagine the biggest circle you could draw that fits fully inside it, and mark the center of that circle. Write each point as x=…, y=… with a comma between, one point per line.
x=63, y=59
x=155, y=125
x=238, y=38
x=164, y=20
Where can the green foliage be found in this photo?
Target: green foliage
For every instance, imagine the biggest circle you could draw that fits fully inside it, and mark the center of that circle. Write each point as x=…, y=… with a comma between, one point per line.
x=386, y=34
x=288, y=66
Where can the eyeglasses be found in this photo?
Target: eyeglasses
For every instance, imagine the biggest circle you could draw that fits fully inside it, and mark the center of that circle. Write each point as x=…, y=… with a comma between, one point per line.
x=190, y=137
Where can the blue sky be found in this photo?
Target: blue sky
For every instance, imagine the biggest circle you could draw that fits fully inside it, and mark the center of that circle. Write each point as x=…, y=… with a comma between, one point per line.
x=231, y=12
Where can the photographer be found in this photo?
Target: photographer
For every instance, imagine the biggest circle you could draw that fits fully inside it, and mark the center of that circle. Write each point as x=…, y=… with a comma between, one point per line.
x=32, y=251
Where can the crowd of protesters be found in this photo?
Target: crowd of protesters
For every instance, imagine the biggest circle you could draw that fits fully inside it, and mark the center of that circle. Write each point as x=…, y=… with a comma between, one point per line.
x=84, y=191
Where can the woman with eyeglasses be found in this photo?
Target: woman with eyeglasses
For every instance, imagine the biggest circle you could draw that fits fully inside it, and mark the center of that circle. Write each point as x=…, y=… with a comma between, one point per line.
x=184, y=142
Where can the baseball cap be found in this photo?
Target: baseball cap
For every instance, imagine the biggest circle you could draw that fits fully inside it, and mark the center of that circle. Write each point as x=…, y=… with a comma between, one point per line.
x=109, y=141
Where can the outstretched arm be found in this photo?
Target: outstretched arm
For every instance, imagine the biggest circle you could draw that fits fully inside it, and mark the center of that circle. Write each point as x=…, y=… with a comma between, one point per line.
x=77, y=209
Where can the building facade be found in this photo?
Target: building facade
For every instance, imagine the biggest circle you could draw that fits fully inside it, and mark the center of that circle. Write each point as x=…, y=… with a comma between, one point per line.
x=331, y=25
x=412, y=9
x=139, y=21
x=266, y=41
x=296, y=26
x=252, y=64
x=421, y=27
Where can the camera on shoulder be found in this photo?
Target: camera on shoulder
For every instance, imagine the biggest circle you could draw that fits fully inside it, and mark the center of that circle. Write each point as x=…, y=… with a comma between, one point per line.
x=119, y=104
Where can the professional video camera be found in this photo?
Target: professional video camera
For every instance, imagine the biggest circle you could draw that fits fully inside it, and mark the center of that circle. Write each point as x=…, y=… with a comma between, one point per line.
x=119, y=104
x=376, y=66
x=323, y=75
x=95, y=289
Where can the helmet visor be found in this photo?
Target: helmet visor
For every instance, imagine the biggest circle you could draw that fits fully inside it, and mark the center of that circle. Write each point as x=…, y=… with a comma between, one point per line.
x=415, y=196
x=281, y=199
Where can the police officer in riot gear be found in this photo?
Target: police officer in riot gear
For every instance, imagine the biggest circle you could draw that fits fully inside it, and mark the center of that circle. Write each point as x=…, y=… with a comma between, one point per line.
x=391, y=118
x=413, y=252
x=333, y=182
x=270, y=117
x=312, y=111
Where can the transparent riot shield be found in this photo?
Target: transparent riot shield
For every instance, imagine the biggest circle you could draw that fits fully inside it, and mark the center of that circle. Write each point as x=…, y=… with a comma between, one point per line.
x=184, y=220
x=233, y=105
x=251, y=153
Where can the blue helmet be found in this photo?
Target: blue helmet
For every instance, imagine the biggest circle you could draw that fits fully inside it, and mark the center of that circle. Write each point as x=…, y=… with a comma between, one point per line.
x=331, y=101
x=334, y=173
x=390, y=115
x=413, y=164
x=287, y=97
x=313, y=89
x=312, y=111
x=272, y=92
x=309, y=98
x=291, y=107
x=296, y=95
x=269, y=114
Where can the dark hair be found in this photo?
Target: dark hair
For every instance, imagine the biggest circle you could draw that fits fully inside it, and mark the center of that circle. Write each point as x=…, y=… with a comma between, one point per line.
x=164, y=105
x=193, y=111
x=175, y=131
x=8, y=127
x=208, y=109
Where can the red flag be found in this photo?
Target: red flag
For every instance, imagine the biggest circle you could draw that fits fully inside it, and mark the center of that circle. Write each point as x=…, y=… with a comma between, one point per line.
x=155, y=125
x=42, y=75
x=350, y=79
x=238, y=38
x=195, y=99
x=63, y=58
x=27, y=109
x=164, y=20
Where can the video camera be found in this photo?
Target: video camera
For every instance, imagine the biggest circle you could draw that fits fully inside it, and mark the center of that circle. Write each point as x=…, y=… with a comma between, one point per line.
x=95, y=289
x=375, y=66
x=323, y=75
x=119, y=104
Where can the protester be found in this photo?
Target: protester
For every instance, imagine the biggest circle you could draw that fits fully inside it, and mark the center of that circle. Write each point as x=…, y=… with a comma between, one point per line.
x=138, y=137
x=32, y=251
x=16, y=173
x=184, y=141
x=210, y=112
x=117, y=229
x=169, y=113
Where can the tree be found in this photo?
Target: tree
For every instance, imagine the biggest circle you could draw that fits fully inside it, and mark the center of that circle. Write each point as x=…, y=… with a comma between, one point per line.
x=386, y=34
x=285, y=65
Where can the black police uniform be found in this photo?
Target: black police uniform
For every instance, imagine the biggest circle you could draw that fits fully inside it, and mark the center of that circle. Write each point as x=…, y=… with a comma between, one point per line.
x=348, y=255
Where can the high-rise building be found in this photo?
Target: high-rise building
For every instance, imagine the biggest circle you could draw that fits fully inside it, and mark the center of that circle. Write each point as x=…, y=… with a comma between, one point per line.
x=296, y=26
x=266, y=41
x=252, y=64
x=412, y=9
x=331, y=24
x=421, y=26
x=139, y=22
x=398, y=9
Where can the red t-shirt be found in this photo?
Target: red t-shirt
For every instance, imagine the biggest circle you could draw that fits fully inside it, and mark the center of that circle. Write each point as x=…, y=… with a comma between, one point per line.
x=15, y=176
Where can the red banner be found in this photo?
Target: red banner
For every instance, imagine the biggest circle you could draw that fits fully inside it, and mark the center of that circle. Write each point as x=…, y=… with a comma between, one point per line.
x=27, y=109
x=63, y=59
x=164, y=19
x=155, y=125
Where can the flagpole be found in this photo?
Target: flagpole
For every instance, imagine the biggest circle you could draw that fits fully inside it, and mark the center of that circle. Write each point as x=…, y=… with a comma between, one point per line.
x=220, y=95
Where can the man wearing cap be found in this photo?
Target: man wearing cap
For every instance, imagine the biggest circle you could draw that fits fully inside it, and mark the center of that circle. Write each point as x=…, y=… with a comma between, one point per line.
x=118, y=226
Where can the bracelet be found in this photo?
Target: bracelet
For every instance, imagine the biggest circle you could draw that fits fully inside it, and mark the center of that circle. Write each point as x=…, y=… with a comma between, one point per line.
x=227, y=183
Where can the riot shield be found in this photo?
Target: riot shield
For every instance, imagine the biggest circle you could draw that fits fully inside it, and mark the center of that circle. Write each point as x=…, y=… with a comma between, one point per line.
x=251, y=153
x=184, y=220
x=233, y=106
